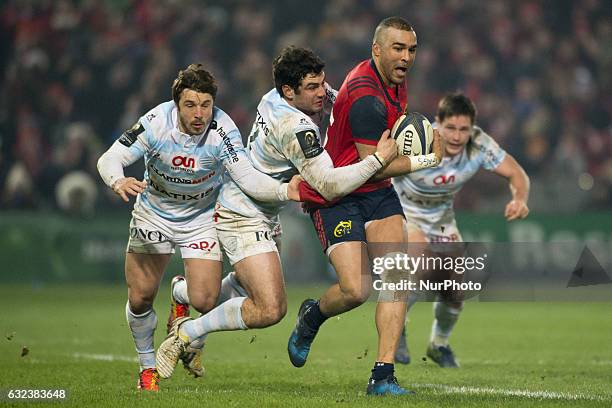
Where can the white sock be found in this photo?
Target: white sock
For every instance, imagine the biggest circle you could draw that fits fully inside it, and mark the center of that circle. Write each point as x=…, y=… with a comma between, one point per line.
x=143, y=327
x=445, y=318
x=230, y=288
x=225, y=317
x=179, y=292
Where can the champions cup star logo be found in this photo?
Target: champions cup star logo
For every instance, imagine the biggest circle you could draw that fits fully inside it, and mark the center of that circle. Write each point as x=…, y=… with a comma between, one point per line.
x=309, y=142
x=310, y=139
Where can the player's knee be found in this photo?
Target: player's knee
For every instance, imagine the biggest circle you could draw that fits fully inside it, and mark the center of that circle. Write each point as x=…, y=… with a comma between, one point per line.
x=140, y=301
x=355, y=295
x=139, y=305
x=274, y=311
x=203, y=304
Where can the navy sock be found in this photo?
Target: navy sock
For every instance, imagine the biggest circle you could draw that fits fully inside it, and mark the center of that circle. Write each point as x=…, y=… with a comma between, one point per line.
x=313, y=316
x=382, y=370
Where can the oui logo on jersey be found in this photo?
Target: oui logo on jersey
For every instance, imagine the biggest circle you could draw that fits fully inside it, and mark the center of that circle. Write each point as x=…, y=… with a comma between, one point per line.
x=444, y=179
x=183, y=161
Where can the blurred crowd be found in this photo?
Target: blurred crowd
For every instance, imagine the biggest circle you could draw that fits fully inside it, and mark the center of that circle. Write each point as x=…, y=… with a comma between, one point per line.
x=76, y=74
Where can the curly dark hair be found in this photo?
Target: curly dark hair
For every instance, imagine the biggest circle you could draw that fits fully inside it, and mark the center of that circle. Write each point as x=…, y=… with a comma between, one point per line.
x=292, y=65
x=194, y=77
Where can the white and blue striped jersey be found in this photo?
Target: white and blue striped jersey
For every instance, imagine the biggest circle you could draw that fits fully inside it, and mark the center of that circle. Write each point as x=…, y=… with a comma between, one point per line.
x=183, y=172
x=282, y=143
x=427, y=195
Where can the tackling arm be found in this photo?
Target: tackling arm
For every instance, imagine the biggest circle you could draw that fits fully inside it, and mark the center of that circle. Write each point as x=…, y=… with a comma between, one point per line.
x=256, y=184
x=333, y=183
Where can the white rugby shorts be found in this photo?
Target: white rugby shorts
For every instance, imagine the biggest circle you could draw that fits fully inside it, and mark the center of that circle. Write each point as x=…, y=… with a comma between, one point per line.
x=443, y=230
x=242, y=237
x=152, y=234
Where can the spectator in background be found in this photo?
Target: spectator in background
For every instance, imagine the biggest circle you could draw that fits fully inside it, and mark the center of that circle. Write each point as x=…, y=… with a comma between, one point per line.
x=539, y=71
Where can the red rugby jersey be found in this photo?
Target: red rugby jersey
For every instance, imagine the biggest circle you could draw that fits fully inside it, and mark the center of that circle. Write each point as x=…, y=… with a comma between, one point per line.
x=364, y=108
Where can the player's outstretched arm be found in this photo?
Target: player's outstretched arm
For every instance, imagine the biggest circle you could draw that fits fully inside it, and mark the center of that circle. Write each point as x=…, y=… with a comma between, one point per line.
x=333, y=183
x=407, y=164
x=519, y=187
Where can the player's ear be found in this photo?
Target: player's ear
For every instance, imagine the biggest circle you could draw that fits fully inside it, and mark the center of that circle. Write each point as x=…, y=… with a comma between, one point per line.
x=375, y=49
x=288, y=92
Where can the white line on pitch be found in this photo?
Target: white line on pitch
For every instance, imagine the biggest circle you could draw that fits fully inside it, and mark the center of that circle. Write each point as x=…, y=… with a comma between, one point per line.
x=451, y=389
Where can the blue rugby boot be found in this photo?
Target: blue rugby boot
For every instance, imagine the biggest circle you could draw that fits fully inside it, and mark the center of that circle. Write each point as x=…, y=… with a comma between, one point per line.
x=386, y=386
x=442, y=355
x=301, y=337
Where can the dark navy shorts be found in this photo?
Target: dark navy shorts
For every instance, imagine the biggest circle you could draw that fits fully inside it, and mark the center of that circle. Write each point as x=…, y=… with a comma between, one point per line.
x=346, y=220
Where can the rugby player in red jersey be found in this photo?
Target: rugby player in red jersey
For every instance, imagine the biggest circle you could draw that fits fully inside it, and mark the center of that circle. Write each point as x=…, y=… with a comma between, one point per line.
x=371, y=99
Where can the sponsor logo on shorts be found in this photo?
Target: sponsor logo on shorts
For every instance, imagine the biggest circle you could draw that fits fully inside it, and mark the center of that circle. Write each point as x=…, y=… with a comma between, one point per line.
x=443, y=238
x=263, y=236
x=147, y=235
x=207, y=246
x=343, y=228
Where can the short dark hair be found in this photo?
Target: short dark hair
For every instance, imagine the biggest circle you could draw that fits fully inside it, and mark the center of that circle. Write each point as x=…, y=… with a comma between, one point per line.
x=392, y=22
x=292, y=65
x=455, y=104
x=194, y=77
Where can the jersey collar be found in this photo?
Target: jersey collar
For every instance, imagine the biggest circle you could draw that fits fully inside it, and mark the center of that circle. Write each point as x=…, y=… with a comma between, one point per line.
x=394, y=102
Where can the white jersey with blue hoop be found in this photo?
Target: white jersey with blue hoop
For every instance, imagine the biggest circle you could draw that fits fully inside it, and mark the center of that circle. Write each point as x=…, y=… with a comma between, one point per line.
x=427, y=195
x=283, y=140
x=183, y=172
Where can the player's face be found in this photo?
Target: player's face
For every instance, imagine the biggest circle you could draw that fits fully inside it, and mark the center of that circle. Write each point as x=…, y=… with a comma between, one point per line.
x=310, y=94
x=456, y=131
x=195, y=111
x=395, y=53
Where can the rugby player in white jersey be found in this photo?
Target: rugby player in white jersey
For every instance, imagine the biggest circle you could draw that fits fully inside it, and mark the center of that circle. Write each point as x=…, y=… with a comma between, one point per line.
x=187, y=144
x=427, y=200
x=284, y=141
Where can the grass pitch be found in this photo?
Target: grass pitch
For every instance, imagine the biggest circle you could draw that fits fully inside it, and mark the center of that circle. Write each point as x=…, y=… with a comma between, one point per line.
x=512, y=354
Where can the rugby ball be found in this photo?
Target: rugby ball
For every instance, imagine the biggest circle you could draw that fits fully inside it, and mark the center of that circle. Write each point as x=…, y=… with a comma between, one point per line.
x=413, y=134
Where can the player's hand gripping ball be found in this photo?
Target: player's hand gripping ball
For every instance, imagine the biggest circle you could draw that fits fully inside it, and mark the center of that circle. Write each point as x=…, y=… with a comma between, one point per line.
x=413, y=134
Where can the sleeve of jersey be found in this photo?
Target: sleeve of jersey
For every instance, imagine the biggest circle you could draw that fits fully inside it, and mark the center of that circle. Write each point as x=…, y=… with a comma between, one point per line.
x=492, y=154
x=251, y=181
x=304, y=150
x=130, y=147
x=368, y=119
